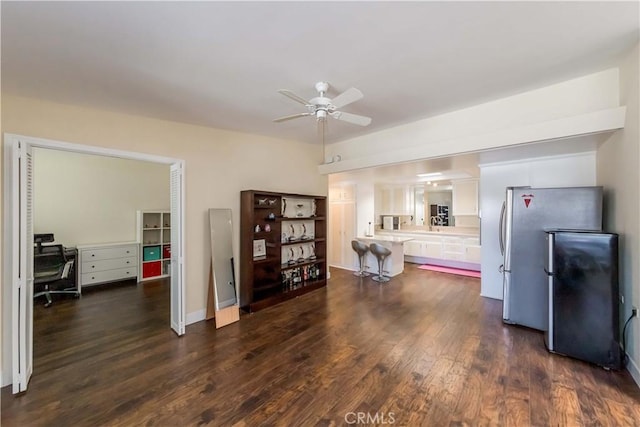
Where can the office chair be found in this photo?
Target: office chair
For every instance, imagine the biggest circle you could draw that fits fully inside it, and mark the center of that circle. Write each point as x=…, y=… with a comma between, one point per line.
x=53, y=273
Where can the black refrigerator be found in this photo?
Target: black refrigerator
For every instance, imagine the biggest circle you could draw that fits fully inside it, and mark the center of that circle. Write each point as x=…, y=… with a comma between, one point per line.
x=582, y=268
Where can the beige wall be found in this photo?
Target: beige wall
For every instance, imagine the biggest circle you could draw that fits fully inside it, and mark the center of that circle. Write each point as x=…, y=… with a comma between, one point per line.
x=618, y=166
x=218, y=164
x=86, y=199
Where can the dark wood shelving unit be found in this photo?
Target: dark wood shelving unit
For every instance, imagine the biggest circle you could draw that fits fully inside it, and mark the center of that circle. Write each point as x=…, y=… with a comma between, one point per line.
x=270, y=279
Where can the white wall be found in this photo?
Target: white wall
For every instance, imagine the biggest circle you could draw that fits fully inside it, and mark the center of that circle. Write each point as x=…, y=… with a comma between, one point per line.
x=619, y=172
x=561, y=171
x=86, y=199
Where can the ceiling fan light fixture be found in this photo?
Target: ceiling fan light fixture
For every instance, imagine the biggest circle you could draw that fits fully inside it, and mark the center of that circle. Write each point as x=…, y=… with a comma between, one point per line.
x=321, y=107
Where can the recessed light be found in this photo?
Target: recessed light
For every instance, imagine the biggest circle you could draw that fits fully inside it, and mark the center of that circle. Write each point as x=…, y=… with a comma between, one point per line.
x=435, y=184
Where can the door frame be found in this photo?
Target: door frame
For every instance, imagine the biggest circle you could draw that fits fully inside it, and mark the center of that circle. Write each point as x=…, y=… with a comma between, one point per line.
x=12, y=239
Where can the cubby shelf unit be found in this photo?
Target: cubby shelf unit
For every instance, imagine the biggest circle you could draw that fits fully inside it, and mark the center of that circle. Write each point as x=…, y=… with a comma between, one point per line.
x=154, y=238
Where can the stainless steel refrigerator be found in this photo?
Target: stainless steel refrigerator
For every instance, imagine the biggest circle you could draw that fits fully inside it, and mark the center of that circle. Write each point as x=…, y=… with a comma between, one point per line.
x=527, y=212
x=582, y=270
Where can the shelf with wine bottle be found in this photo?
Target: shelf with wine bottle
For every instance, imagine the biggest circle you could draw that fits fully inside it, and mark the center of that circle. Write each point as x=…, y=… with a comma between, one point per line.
x=282, y=246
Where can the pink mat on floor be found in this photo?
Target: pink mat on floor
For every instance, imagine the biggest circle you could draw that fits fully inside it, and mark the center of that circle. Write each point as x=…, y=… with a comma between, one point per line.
x=450, y=270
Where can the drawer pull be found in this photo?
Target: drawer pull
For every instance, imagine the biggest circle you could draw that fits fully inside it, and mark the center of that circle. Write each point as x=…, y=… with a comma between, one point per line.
x=92, y=277
x=93, y=254
x=127, y=262
x=93, y=266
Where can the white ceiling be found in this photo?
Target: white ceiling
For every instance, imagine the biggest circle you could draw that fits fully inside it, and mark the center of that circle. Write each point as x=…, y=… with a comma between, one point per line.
x=220, y=64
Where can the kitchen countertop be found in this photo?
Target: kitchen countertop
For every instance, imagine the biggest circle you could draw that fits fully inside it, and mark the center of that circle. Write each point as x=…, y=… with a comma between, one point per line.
x=400, y=233
x=385, y=238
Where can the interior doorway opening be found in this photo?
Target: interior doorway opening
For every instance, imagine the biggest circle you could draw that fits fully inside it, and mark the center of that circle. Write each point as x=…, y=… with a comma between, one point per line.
x=18, y=264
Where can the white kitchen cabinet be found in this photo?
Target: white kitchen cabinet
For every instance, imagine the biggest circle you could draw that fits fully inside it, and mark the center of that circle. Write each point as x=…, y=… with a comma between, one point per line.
x=471, y=249
x=452, y=248
x=433, y=248
x=413, y=248
x=424, y=247
x=447, y=250
x=386, y=202
x=465, y=197
x=342, y=229
x=472, y=253
x=397, y=200
x=342, y=193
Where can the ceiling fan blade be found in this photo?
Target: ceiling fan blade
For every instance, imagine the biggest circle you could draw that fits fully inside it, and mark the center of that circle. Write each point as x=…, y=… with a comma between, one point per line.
x=351, y=118
x=293, y=96
x=293, y=116
x=347, y=97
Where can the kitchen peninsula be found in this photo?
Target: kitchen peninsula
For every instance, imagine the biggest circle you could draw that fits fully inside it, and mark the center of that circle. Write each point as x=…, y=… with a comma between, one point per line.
x=394, y=264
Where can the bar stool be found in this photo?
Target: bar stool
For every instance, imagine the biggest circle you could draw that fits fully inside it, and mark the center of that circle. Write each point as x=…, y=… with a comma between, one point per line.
x=381, y=253
x=361, y=249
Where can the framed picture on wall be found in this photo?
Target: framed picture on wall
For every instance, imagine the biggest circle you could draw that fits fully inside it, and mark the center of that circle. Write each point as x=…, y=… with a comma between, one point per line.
x=259, y=249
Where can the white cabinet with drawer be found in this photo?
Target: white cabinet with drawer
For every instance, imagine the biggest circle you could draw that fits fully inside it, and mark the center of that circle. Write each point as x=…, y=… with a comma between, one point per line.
x=472, y=250
x=421, y=247
x=447, y=250
x=452, y=248
x=413, y=248
x=109, y=262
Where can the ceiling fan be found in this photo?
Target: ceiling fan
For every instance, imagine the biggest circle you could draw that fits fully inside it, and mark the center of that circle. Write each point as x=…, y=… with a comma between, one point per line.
x=322, y=107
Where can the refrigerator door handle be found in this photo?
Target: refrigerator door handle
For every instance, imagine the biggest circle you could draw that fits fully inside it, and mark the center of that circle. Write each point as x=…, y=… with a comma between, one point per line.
x=501, y=228
x=549, y=273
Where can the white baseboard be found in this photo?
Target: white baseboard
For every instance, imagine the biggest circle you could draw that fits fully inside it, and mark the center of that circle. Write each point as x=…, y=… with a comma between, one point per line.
x=633, y=370
x=196, y=316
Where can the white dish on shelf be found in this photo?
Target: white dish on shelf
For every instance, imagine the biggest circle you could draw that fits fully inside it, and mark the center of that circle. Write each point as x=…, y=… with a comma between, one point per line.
x=297, y=208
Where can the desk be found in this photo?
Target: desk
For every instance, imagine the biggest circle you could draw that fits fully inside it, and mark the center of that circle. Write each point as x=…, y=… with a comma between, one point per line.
x=394, y=263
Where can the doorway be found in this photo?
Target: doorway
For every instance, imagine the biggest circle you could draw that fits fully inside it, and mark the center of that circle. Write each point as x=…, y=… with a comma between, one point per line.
x=18, y=225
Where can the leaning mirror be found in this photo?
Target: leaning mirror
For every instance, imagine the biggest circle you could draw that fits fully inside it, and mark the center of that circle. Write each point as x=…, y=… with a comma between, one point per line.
x=223, y=271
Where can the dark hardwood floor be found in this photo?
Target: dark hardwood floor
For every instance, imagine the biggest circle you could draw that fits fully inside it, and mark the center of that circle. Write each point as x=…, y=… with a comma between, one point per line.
x=422, y=350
